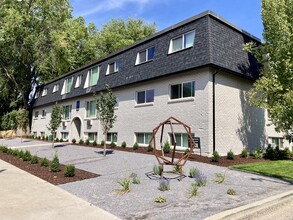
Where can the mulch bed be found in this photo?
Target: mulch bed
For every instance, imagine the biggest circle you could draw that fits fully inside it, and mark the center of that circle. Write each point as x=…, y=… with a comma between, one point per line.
x=55, y=178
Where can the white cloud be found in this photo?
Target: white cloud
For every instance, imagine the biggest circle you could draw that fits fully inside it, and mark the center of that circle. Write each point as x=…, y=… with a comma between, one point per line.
x=108, y=5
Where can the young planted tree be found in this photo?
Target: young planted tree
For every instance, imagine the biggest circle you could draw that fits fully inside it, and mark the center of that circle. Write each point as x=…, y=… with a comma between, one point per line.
x=56, y=119
x=22, y=120
x=105, y=112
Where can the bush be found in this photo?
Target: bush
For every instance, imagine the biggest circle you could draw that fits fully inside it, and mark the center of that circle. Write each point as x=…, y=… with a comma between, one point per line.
x=27, y=156
x=125, y=184
x=39, y=137
x=123, y=144
x=15, y=152
x=69, y=170
x=112, y=145
x=21, y=154
x=4, y=149
x=61, y=139
x=43, y=138
x=57, y=139
x=150, y=148
x=167, y=147
x=95, y=143
x=45, y=162
x=230, y=155
x=10, y=151
x=186, y=151
x=54, y=165
x=81, y=142
x=87, y=142
x=176, y=169
x=160, y=199
x=192, y=172
x=34, y=160
x=200, y=179
x=73, y=140
x=276, y=153
x=164, y=184
x=231, y=192
x=258, y=154
x=216, y=157
x=157, y=170
x=244, y=153
x=102, y=143
x=47, y=138
x=135, y=146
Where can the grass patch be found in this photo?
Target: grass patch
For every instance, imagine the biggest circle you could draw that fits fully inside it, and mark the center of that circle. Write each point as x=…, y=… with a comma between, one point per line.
x=282, y=169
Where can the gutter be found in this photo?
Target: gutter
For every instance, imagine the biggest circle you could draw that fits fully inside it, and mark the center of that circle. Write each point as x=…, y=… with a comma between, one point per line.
x=214, y=109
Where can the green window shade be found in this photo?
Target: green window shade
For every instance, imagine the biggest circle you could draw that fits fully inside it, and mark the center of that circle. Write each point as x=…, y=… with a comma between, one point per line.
x=68, y=85
x=185, y=140
x=67, y=112
x=94, y=76
x=91, y=109
x=140, y=138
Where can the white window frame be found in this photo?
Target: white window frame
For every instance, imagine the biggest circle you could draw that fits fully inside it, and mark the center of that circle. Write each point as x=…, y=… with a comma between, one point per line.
x=279, y=139
x=183, y=47
x=144, y=138
x=78, y=81
x=44, y=115
x=45, y=92
x=145, y=96
x=116, y=67
x=112, y=137
x=87, y=116
x=70, y=109
x=56, y=88
x=63, y=134
x=36, y=114
x=137, y=61
x=95, y=136
x=180, y=147
x=64, y=88
x=182, y=91
x=88, y=82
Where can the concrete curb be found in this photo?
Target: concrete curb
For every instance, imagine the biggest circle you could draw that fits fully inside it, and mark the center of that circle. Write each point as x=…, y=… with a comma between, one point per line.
x=249, y=210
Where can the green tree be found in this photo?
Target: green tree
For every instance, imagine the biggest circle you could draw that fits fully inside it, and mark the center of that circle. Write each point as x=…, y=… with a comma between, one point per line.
x=118, y=33
x=8, y=121
x=22, y=120
x=274, y=89
x=105, y=112
x=56, y=119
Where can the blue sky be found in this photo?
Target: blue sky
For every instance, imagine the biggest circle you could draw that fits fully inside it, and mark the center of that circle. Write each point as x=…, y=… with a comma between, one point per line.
x=165, y=13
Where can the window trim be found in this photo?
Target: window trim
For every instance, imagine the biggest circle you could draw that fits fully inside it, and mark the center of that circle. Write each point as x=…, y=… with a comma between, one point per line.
x=181, y=137
x=112, y=133
x=144, y=138
x=95, y=135
x=78, y=81
x=44, y=115
x=137, y=61
x=45, y=92
x=145, y=97
x=86, y=110
x=70, y=110
x=36, y=114
x=56, y=87
x=188, y=98
x=170, y=51
x=117, y=66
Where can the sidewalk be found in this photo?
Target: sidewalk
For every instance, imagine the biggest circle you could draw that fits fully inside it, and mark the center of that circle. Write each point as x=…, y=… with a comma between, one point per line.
x=24, y=196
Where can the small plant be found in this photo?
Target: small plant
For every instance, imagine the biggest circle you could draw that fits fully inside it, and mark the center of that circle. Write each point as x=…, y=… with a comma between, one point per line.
x=135, y=178
x=176, y=169
x=157, y=170
x=244, y=153
x=102, y=143
x=47, y=138
x=219, y=178
x=43, y=138
x=73, y=140
x=164, y=184
x=160, y=199
x=81, y=142
x=200, y=179
x=54, y=165
x=21, y=154
x=125, y=184
x=150, y=148
x=95, y=143
x=34, y=160
x=4, y=149
x=186, y=151
x=231, y=192
x=87, y=142
x=57, y=139
x=27, y=156
x=123, y=144
x=193, y=171
x=258, y=154
x=112, y=145
x=61, y=139
x=167, y=147
x=216, y=157
x=230, y=155
x=10, y=151
x=15, y=152
x=45, y=162
x=69, y=170
x=193, y=191
x=39, y=137
x=135, y=146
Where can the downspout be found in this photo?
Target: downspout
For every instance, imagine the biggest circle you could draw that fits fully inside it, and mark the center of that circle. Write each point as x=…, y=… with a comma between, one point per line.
x=214, y=109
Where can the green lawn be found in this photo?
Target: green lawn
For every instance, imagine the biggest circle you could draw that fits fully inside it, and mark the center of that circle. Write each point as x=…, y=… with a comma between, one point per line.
x=282, y=169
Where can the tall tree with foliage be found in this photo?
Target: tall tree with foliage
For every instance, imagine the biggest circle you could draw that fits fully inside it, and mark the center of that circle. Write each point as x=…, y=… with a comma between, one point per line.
x=106, y=112
x=274, y=89
x=56, y=119
x=118, y=33
x=22, y=120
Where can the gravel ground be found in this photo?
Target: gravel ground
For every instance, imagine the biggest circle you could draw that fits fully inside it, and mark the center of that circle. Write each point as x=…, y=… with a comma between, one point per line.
x=139, y=202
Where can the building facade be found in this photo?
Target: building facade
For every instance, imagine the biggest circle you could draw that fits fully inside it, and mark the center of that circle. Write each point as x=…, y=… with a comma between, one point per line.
x=195, y=71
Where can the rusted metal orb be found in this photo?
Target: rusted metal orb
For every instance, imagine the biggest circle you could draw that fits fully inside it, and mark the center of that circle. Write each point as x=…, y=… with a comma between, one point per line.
x=170, y=126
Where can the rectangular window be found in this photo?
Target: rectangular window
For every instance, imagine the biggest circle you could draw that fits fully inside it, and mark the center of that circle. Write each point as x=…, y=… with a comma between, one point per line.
x=145, y=55
x=117, y=102
x=67, y=112
x=94, y=76
x=112, y=136
x=37, y=94
x=77, y=105
x=143, y=138
x=64, y=136
x=36, y=114
x=182, y=90
x=45, y=92
x=277, y=142
x=113, y=67
x=181, y=140
x=92, y=136
x=91, y=109
x=42, y=134
x=145, y=96
x=56, y=88
x=182, y=42
x=68, y=84
x=78, y=81
x=44, y=113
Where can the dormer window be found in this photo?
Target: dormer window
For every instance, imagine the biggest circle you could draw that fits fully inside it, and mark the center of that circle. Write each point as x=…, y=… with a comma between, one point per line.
x=92, y=77
x=45, y=92
x=78, y=81
x=113, y=67
x=56, y=88
x=67, y=86
x=182, y=42
x=145, y=55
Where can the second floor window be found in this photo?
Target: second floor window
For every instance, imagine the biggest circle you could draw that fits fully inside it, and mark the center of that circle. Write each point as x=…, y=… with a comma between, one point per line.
x=44, y=113
x=146, y=96
x=145, y=55
x=68, y=85
x=56, y=88
x=182, y=90
x=78, y=81
x=45, y=92
x=67, y=112
x=182, y=42
x=91, y=109
x=113, y=67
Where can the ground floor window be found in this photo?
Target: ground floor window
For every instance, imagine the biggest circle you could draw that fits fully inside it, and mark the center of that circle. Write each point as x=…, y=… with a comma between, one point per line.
x=35, y=134
x=276, y=142
x=143, y=138
x=64, y=136
x=181, y=140
x=92, y=136
x=42, y=134
x=112, y=137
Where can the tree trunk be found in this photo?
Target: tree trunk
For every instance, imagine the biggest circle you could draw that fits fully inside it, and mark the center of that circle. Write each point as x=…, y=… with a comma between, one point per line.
x=53, y=140
x=105, y=138
x=21, y=136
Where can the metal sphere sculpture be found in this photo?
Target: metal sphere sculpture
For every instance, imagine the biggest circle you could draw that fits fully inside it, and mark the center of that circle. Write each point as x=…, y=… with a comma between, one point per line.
x=158, y=147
